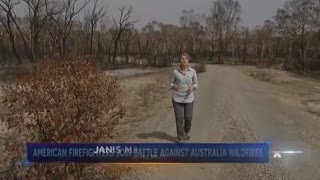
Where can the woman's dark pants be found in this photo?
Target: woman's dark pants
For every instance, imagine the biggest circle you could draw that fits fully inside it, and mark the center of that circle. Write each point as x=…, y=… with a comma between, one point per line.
x=183, y=113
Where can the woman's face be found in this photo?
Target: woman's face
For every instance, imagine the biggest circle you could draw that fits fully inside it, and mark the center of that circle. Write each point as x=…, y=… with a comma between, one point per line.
x=184, y=60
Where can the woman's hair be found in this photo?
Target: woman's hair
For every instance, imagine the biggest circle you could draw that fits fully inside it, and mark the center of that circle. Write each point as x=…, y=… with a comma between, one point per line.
x=185, y=54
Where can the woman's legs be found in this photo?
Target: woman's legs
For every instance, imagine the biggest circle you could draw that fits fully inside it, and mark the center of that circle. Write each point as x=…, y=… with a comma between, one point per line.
x=188, y=113
x=178, y=112
x=183, y=113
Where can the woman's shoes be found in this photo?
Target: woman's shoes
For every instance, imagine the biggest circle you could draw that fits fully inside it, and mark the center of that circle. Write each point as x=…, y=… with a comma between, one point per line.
x=181, y=140
x=187, y=136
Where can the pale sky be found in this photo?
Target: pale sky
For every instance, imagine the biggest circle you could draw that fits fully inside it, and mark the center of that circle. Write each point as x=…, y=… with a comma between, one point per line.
x=254, y=12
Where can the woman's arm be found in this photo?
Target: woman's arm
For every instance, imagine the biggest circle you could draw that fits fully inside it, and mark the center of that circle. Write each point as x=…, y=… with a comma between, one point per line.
x=195, y=81
x=173, y=80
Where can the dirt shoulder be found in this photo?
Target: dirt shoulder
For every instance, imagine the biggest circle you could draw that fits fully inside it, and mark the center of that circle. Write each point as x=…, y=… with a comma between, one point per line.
x=298, y=90
x=143, y=92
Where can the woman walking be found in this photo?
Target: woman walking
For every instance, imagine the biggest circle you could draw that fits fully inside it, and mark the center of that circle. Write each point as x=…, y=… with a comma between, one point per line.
x=184, y=82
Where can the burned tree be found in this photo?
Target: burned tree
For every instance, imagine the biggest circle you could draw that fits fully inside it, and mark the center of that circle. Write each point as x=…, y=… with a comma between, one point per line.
x=96, y=15
x=37, y=17
x=121, y=25
x=63, y=20
x=224, y=19
x=7, y=21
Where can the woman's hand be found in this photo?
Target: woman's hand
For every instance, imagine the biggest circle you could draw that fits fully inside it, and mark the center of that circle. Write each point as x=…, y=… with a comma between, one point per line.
x=190, y=89
x=176, y=88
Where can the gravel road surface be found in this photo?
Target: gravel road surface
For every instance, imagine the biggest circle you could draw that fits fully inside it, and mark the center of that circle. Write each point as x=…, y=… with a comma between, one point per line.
x=232, y=107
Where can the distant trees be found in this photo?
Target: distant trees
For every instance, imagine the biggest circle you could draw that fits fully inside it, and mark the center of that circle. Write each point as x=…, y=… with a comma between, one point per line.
x=96, y=14
x=193, y=32
x=120, y=26
x=53, y=27
x=223, y=20
x=8, y=22
x=291, y=31
x=61, y=21
x=301, y=26
x=37, y=18
x=146, y=41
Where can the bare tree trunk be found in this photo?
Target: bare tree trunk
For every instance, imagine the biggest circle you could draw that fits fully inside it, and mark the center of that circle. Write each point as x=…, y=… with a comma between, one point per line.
x=99, y=48
x=263, y=50
x=64, y=46
x=220, y=49
x=6, y=23
x=123, y=24
x=14, y=49
x=35, y=47
x=232, y=50
x=303, y=52
x=244, y=53
x=91, y=40
x=290, y=48
x=3, y=50
x=277, y=47
x=127, y=52
x=115, y=49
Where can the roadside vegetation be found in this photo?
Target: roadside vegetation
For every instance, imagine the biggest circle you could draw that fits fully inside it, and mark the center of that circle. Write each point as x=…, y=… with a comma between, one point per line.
x=200, y=68
x=59, y=101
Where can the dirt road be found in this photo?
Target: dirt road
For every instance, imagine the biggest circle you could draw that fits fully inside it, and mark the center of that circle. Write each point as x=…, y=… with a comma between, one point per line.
x=232, y=107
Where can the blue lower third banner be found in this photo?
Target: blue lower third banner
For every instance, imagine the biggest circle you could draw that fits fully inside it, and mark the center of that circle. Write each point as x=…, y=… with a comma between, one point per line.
x=148, y=153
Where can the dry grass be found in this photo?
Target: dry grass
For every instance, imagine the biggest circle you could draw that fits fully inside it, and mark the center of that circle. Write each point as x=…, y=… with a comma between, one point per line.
x=313, y=106
x=261, y=76
x=200, y=68
x=299, y=90
x=142, y=94
x=146, y=94
x=151, y=90
x=110, y=172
